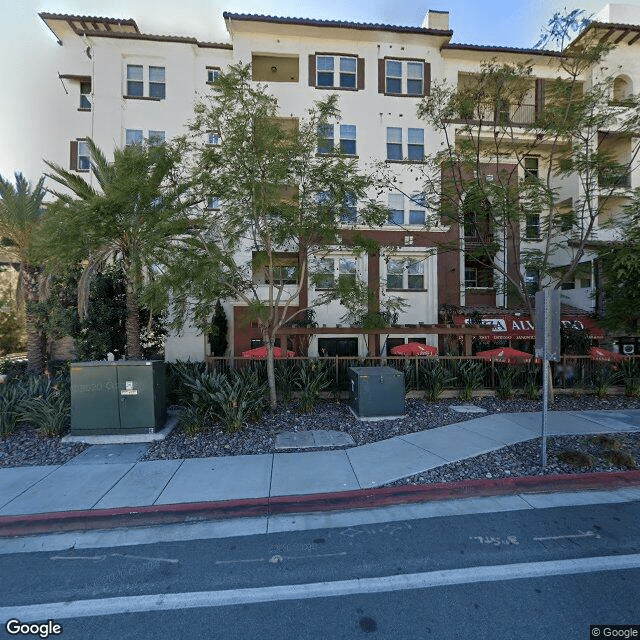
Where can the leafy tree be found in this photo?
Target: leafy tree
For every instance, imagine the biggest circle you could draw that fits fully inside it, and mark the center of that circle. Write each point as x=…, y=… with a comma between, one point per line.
x=218, y=331
x=103, y=328
x=131, y=218
x=11, y=323
x=512, y=145
x=279, y=198
x=620, y=288
x=21, y=216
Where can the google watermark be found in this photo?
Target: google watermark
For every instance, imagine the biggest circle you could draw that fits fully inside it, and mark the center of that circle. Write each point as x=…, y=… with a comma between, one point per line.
x=15, y=627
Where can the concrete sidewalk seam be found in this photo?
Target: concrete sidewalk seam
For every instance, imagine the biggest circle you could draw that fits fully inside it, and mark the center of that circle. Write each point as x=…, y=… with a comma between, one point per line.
x=166, y=484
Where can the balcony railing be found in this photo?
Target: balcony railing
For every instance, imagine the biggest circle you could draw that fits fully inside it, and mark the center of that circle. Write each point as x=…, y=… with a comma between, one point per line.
x=518, y=114
x=615, y=181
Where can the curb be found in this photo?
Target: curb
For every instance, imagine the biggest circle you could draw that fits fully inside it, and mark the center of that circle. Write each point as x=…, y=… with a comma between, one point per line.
x=87, y=520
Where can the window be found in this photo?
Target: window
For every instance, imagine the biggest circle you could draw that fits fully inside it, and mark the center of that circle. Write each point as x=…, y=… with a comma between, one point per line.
x=415, y=144
x=470, y=277
x=285, y=274
x=531, y=280
x=405, y=274
x=212, y=74
x=325, y=273
x=336, y=71
x=530, y=169
x=156, y=138
x=347, y=270
x=135, y=84
x=85, y=96
x=331, y=347
x=532, y=231
x=394, y=143
x=213, y=203
x=397, y=209
x=349, y=213
x=347, y=140
x=566, y=286
x=213, y=139
x=84, y=158
x=157, y=83
x=133, y=136
x=405, y=77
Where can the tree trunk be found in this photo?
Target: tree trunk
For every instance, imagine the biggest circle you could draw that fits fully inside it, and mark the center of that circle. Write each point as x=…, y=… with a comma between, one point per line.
x=271, y=374
x=36, y=341
x=132, y=324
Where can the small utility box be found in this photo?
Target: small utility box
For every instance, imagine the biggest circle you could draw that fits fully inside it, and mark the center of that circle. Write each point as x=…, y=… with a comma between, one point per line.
x=127, y=396
x=377, y=391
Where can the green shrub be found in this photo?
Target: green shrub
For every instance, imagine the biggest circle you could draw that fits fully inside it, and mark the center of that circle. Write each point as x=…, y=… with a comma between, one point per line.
x=233, y=405
x=193, y=420
x=531, y=385
x=603, y=377
x=630, y=373
x=286, y=374
x=10, y=397
x=254, y=389
x=176, y=376
x=434, y=377
x=313, y=378
x=45, y=404
x=506, y=377
x=470, y=374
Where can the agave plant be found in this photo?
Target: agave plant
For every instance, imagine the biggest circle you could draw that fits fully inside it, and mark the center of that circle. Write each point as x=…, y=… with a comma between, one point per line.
x=471, y=376
x=313, y=378
x=10, y=398
x=435, y=377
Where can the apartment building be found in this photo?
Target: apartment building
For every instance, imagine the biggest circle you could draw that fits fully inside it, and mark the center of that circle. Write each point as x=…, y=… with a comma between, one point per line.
x=121, y=85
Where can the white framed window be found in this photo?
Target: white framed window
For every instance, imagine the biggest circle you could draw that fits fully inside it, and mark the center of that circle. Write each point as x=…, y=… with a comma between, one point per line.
x=134, y=136
x=404, y=77
x=325, y=270
x=212, y=74
x=156, y=138
x=530, y=169
x=414, y=151
x=405, y=275
x=532, y=227
x=403, y=211
x=135, y=80
x=336, y=71
x=347, y=270
x=85, y=95
x=346, y=140
x=84, y=157
x=470, y=277
x=214, y=139
x=213, y=203
x=157, y=86
x=349, y=212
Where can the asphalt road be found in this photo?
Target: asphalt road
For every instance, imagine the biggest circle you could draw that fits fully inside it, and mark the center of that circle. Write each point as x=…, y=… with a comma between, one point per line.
x=543, y=573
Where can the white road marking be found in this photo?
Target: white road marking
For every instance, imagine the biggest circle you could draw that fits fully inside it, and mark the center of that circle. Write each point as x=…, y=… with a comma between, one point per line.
x=496, y=542
x=279, y=558
x=199, y=599
x=114, y=555
x=580, y=534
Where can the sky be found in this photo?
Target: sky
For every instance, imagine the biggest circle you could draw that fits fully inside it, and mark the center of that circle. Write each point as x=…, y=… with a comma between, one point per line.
x=26, y=43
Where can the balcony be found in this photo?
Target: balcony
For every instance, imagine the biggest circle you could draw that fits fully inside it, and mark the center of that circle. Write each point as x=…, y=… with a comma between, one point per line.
x=613, y=180
x=516, y=115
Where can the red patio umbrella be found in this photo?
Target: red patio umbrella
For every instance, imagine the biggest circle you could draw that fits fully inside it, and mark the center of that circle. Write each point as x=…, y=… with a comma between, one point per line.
x=597, y=353
x=261, y=352
x=414, y=349
x=508, y=355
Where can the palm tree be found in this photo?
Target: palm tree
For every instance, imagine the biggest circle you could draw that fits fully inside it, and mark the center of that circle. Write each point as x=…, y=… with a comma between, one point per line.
x=21, y=215
x=132, y=217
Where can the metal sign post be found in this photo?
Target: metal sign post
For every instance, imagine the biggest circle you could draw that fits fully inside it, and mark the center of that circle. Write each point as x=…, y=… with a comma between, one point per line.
x=547, y=348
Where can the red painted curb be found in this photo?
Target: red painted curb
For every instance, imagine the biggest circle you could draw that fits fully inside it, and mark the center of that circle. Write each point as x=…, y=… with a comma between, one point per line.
x=56, y=522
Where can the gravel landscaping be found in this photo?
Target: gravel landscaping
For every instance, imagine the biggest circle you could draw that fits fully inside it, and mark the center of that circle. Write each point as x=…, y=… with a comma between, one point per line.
x=25, y=447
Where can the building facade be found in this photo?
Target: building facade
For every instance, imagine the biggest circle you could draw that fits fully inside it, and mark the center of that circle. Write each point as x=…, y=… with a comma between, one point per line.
x=122, y=86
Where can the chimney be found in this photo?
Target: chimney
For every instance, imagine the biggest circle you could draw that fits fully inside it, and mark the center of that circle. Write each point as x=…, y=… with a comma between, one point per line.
x=436, y=20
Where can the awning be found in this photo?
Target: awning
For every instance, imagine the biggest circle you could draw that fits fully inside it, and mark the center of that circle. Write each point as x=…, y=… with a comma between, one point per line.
x=510, y=327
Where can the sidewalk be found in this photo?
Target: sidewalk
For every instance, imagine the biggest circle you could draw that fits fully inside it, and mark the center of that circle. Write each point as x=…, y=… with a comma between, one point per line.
x=109, y=480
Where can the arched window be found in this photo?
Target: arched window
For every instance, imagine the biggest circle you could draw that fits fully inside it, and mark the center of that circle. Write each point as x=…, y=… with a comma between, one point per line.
x=622, y=88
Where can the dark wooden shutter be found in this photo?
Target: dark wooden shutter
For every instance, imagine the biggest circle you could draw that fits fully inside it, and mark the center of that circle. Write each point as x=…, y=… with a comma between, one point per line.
x=381, y=70
x=427, y=79
x=312, y=70
x=360, y=74
x=539, y=97
x=73, y=155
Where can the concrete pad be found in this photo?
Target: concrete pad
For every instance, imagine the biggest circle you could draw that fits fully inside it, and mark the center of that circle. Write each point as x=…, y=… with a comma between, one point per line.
x=223, y=478
x=389, y=460
x=453, y=442
x=499, y=428
x=141, y=486
x=312, y=472
x=315, y=438
x=15, y=480
x=68, y=488
x=129, y=438
x=612, y=421
x=111, y=454
x=466, y=408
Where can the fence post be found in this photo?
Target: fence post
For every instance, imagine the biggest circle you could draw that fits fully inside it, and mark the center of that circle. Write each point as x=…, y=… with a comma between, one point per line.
x=493, y=372
x=336, y=371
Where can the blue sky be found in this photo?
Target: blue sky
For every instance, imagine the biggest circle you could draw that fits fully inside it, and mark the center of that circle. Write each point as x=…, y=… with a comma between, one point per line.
x=25, y=41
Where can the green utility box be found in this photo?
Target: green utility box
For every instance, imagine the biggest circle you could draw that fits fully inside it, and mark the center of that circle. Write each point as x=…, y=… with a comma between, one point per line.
x=127, y=396
x=377, y=391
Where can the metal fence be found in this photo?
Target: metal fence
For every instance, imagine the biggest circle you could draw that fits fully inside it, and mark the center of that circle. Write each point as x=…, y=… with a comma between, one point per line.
x=579, y=372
